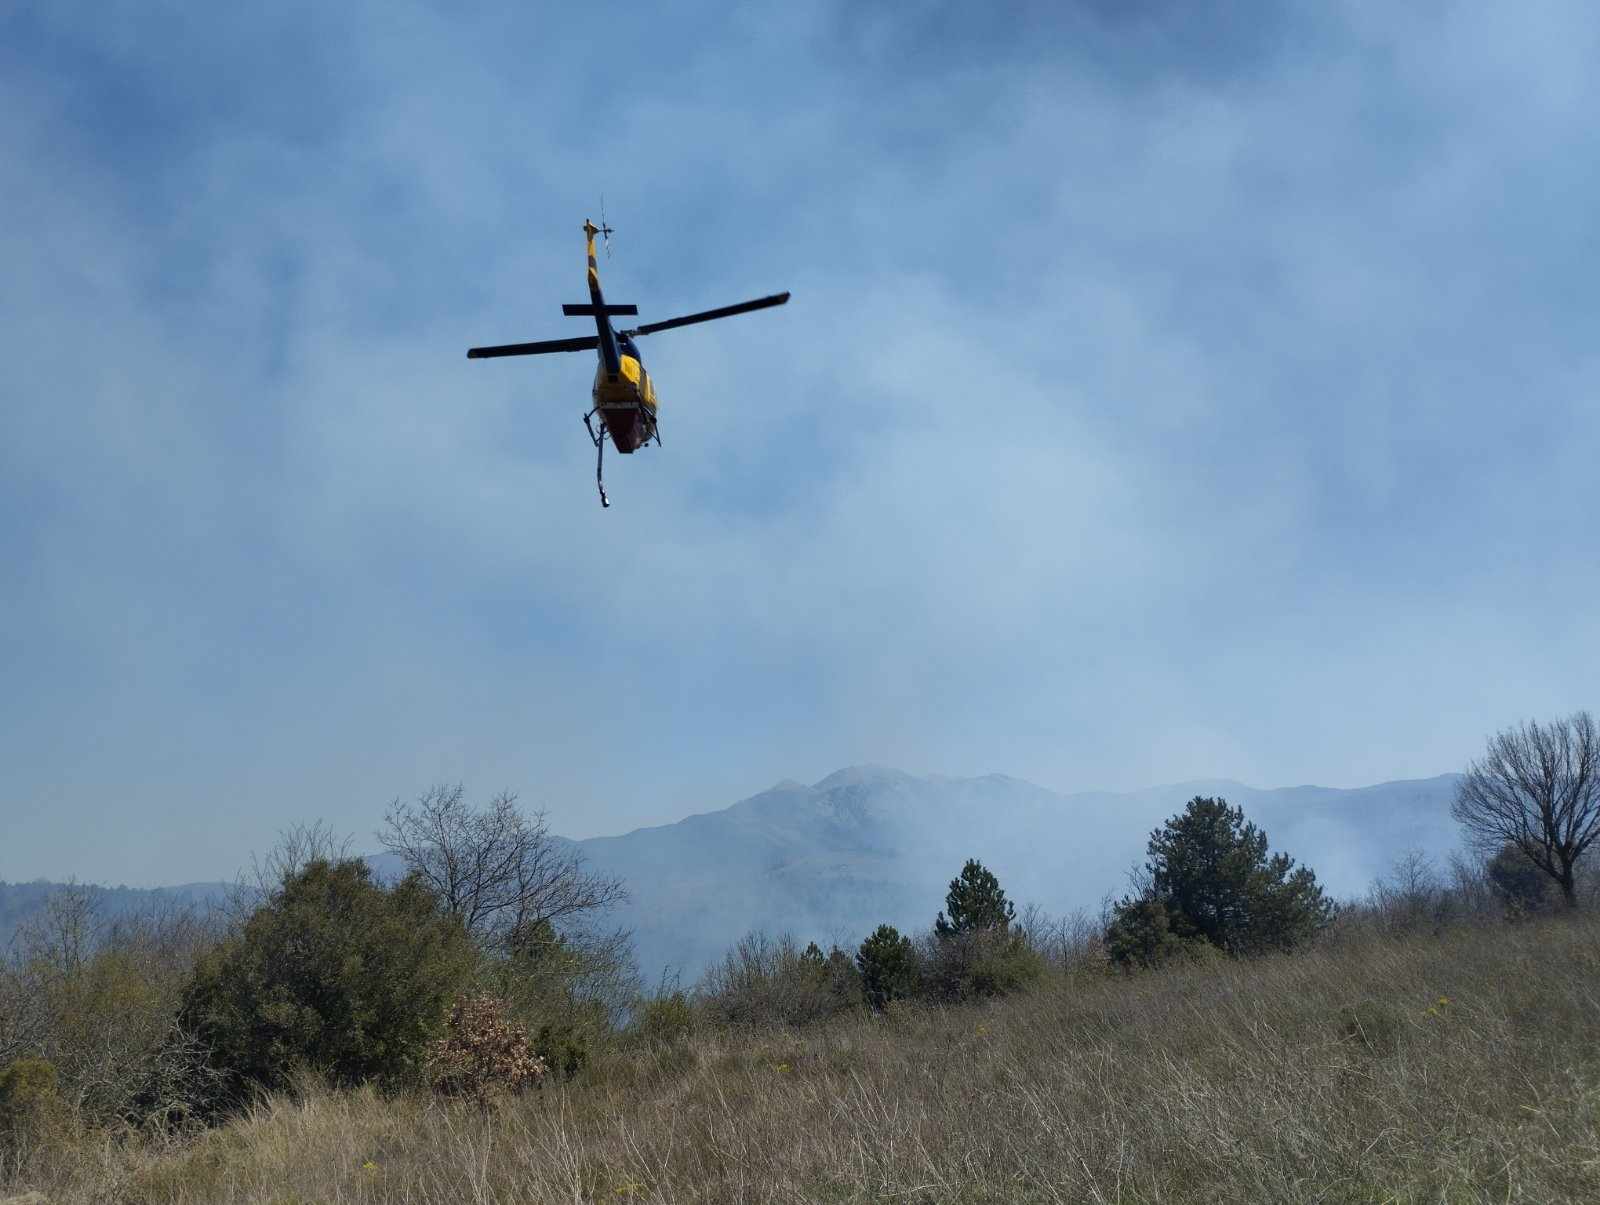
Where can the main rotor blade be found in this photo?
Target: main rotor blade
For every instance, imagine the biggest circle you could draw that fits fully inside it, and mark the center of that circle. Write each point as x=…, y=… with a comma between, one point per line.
x=587, y=343
x=727, y=311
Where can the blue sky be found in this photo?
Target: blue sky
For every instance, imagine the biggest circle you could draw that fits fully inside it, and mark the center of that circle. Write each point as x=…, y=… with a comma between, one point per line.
x=1164, y=395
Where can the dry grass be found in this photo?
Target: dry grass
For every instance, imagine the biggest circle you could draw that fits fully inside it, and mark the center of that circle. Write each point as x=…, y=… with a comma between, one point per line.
x=1458, y=1068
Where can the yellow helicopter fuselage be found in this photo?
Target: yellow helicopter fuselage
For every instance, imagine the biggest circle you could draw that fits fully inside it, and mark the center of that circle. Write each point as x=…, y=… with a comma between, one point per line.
x=626, y=400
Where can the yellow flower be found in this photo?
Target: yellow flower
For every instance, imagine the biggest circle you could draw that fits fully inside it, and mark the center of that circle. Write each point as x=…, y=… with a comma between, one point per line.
x=784, y=1068
x=370, y=1168
x=1443, y=1000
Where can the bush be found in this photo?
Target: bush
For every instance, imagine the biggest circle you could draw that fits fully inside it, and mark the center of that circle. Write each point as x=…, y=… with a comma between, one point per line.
x=889, y=968
x=564, y=1047
x=1521, y=887
x=980, y=964
x=333, y=972
x=571, y=990
x=29, y=1102
x=1410, y=897
x=837, y=973
x=665, y=1018
x=766, y=982
x=483, y=1055
x=1140, y=935
x=99, y=1002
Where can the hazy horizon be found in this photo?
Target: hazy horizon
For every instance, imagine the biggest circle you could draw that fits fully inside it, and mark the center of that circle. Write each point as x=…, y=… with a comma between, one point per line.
x=371, y=847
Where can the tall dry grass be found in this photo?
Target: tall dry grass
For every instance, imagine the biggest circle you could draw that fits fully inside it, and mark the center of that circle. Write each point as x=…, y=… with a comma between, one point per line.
x=1460, y=1067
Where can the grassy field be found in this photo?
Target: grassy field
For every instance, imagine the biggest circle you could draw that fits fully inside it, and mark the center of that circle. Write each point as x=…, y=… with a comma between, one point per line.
x=1461, y=1067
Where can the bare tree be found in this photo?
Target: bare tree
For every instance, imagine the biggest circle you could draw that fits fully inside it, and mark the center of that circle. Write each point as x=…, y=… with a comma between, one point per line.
x=99, y=999
x=1537, y=788
x=502, y=873
x=1410, y=896
x=297, y=847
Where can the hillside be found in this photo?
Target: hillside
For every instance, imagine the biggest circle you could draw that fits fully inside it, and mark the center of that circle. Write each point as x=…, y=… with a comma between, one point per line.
x=869, y=845
x=1457, y=1068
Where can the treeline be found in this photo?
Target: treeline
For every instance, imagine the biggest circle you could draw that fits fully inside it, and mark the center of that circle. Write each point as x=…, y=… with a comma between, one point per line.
x=488, y=969
x=21, y=902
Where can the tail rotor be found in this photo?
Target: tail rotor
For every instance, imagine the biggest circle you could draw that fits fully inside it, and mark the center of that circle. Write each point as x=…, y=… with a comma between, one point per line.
x=605, y=231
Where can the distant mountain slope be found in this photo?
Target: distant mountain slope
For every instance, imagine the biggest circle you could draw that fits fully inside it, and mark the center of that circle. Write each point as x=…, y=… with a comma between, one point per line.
x=20, y=901
x=869, y=844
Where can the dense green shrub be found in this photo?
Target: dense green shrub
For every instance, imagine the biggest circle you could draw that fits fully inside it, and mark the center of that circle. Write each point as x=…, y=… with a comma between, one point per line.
x=29, y=1102
x=1140, y=935
x=889, y=968
x=564, y=1046
x=333, y=972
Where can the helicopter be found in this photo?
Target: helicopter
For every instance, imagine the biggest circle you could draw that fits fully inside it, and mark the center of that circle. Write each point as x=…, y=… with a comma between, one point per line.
x=625, y=401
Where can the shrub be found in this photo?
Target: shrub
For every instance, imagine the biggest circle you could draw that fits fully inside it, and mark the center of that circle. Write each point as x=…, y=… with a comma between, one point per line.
x=762, y=981
x=569, y=990
x=333, y=972
x=98, y=1000
x=844, y=979
x=1140, y=935
x=889, y=968
x=29, y=1102
x=563, y=1047
x=482, y=1054
x=665, y=1018
x=979, y=964
x=1520, y=886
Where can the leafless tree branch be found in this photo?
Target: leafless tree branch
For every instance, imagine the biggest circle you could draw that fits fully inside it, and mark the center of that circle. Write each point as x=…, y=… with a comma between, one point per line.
x=1538, y=788
x=500, y=872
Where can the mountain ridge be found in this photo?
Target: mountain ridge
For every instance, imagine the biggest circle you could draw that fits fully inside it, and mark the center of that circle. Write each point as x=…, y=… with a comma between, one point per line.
x=870, y=844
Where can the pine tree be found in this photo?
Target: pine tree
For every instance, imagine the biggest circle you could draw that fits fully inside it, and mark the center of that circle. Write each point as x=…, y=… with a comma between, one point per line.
x=888, y=967
x=975, y=903
x=1140, y=934
x=1210, y=871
